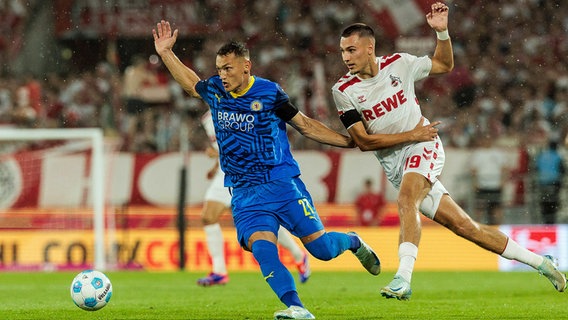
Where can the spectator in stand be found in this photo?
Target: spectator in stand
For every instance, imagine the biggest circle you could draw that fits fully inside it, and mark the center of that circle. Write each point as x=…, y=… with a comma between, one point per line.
x=83, y=108
x=520, y=174
x=23, y=114
x=550, y=171
x=136, y=77
x=489, y=170
x=7, y=88
x=53, y=109
x=104, y=75
x=511, y=68
x=369, y=205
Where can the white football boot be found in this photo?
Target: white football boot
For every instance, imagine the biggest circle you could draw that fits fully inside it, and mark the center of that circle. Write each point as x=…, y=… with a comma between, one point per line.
x=293, y=312
x=548, y=269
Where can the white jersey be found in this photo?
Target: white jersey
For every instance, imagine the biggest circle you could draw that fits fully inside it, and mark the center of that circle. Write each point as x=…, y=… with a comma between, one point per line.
x=387, y=104
x=217, y=191
x=207, y=123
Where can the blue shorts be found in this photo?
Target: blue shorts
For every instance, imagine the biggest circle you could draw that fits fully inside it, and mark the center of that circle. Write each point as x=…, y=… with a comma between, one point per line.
x=265, y=207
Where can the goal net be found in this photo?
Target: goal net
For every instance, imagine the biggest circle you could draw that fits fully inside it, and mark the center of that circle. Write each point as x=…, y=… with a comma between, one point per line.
x=53, y=213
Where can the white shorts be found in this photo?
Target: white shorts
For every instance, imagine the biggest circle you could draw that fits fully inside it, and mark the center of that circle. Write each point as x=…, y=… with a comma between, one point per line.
x=430, y=204
x=424, y=158
x=217, y=191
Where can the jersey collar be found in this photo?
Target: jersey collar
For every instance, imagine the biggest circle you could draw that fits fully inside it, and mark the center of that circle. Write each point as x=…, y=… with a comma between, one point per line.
x=245, y=90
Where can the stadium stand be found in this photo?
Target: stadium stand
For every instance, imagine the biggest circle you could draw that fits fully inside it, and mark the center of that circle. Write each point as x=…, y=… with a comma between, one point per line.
x=510, y=80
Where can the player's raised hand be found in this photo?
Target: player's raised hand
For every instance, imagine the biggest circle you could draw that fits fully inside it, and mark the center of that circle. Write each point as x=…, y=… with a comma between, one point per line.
x=423, y=132
x=164, y=39
x=438, y=17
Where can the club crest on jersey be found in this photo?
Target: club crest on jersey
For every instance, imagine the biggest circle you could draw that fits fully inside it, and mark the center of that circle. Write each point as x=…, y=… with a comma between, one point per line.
x=395, y=81
x=256, y=105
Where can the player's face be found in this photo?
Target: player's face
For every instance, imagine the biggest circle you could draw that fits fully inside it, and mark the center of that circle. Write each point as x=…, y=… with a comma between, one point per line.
x=234, y=72
x=356, y=53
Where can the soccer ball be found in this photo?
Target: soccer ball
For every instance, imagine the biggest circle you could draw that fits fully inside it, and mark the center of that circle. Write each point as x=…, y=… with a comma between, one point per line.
x=91, y=290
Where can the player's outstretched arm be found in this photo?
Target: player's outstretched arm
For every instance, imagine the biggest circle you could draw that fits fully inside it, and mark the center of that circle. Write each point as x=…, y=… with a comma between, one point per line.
x=371, y=142
x=164, y=41
x=443, y=58
x=319, y=132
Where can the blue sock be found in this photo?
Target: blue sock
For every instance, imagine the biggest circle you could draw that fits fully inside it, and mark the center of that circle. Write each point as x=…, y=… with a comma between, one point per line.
x=291, y=298
x=275, y=273
x=355, y=243
x=330, y=245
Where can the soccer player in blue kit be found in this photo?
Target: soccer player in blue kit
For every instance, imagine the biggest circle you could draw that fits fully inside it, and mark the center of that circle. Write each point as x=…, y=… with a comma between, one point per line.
x=250, y=116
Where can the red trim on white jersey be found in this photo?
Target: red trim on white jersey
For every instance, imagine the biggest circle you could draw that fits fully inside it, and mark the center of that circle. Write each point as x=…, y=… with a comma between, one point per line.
x=387, y=101
x=386, y=60
x=351, y=82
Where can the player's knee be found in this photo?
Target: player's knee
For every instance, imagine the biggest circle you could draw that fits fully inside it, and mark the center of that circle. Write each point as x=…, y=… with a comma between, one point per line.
x=322, y=248
x=406, y=204
x=207, y=220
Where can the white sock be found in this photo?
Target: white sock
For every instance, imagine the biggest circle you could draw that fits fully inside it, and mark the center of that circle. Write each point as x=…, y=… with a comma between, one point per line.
x=286, y=240
x=215, y=244
x=513, y=251
x=407, y=253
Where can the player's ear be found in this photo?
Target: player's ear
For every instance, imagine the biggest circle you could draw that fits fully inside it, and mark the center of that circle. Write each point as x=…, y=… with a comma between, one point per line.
x=248, y=65
x=371, y=47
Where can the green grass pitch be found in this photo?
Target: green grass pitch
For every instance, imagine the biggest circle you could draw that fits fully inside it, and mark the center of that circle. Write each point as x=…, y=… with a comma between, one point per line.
x=328, y=295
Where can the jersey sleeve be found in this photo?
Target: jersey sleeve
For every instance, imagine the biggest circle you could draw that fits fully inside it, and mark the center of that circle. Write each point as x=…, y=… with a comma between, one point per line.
x=347, y=112
x=419, y=66
x=281, y=96
x=210, y=90
x=342, y=101
x=202, y=88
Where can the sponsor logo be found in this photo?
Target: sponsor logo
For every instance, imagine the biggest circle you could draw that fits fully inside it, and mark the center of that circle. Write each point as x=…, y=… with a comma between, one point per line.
x=387, y=105
x=235, y=121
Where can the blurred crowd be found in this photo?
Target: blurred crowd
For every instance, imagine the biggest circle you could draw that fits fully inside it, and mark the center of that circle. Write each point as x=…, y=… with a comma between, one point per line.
x=510, y=80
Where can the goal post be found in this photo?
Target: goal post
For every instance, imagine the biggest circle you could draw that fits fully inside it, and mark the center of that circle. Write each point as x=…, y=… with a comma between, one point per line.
x=96, y=174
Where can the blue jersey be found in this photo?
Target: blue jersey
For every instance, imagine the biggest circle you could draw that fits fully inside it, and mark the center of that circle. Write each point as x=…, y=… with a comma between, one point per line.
x=253, y=145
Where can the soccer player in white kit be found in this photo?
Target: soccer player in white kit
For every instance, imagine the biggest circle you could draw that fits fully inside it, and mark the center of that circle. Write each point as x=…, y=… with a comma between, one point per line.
x=377, y=104
x=217, y=201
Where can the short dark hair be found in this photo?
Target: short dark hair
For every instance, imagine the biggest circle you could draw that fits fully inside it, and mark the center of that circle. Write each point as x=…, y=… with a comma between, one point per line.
x=236, y=47
x=361, y=29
